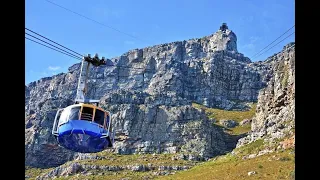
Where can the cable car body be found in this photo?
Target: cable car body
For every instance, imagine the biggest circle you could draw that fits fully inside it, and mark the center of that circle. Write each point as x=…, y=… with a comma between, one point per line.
x=84, y=126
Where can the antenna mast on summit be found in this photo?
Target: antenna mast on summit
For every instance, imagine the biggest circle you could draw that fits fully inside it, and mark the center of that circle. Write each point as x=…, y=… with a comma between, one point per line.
x=82, y=88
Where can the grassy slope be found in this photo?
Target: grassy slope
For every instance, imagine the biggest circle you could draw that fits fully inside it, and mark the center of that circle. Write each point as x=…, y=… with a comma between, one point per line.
x=34, y=172
x=276, y=165
x=111, y=159
x=219, y=114
x=143, y=159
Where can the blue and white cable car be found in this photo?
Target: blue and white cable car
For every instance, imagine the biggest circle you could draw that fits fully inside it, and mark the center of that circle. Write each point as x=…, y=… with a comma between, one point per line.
x=84, y=127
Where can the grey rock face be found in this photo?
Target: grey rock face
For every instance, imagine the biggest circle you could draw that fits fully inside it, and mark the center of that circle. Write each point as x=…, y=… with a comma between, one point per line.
x=275, y=114
x=43, y=98
x=158, y=129
x=245, y=122
x=40, y=143
x=151, y=102
x=228, y=123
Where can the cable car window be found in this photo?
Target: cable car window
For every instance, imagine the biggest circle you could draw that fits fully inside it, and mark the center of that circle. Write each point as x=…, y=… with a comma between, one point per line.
x=99, y=117
x=64, y=116
x=87, y=113
x=74, y=113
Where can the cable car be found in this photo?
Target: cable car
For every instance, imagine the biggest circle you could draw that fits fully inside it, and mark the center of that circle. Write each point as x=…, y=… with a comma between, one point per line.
x=84, y=126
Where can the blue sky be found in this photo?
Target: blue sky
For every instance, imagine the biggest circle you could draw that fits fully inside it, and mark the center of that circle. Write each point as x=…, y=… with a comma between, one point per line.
x=255, y=22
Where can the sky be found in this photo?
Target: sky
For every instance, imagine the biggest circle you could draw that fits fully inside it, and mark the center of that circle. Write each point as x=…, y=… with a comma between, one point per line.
x=145, y=23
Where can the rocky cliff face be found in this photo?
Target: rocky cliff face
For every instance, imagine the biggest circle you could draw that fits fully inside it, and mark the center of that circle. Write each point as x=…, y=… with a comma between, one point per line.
x=275, y=114
x=157, y=129
x=151, y=102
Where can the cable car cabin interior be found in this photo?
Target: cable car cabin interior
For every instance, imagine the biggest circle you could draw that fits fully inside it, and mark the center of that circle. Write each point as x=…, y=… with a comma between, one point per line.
x=83, y=128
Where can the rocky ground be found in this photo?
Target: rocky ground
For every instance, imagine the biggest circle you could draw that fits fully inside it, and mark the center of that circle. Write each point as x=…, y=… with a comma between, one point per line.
x=114, y=166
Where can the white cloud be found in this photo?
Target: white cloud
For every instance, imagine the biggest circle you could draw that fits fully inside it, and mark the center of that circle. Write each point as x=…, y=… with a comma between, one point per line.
x=54, y=68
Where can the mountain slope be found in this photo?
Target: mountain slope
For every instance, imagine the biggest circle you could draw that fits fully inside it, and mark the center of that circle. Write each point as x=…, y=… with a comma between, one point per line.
x=268, y=151
x=152, y=106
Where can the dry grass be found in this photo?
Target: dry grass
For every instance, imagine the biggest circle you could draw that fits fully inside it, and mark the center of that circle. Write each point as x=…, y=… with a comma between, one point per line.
x=32, y=173
x=251, y=148
x=112, y=159
x=269, y=166
x=238, y=116
x=111, y=176
x=239, y=129
x=220, y=114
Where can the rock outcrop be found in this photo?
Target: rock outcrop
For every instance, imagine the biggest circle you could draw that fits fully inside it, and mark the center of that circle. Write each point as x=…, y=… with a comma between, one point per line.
x=151, y=100
x=158, y=129
x=275, y=113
